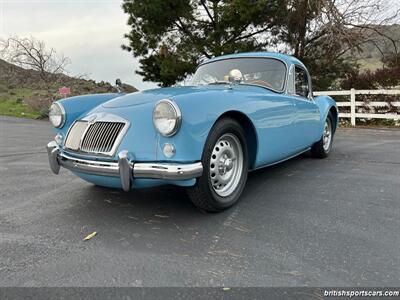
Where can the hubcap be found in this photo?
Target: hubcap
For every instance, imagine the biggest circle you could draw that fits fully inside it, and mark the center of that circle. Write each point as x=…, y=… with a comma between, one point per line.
x=226, y=165
x=327, y=137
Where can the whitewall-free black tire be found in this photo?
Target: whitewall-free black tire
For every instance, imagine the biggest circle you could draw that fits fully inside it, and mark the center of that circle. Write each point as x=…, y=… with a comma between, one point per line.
x=225, y=168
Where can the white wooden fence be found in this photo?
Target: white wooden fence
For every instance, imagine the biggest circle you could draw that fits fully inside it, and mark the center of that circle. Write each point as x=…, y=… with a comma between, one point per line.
x=353, y=104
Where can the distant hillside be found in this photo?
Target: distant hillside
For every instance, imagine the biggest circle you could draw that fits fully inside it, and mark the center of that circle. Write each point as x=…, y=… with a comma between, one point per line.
x=22, y=93
x=370, y=56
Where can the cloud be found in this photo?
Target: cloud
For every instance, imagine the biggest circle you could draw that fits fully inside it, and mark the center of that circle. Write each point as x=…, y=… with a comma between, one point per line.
x=90, y=32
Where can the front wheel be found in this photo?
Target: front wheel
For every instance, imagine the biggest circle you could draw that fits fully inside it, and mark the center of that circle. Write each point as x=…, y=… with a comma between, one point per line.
x=225, y=168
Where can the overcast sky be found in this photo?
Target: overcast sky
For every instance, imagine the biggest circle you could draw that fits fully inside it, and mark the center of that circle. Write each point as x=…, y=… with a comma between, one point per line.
x=90, y=32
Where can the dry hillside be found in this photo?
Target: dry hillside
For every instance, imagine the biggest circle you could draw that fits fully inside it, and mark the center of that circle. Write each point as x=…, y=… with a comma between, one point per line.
x=22, y=93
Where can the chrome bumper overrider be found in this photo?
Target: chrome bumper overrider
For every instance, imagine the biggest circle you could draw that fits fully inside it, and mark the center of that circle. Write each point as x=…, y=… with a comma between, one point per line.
x=125, y=168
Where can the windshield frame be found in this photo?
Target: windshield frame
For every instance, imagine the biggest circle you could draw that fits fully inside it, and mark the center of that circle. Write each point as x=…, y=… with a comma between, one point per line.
x=252, y=84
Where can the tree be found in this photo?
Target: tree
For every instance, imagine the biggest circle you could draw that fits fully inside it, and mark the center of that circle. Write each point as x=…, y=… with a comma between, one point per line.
x=30, y=53
x=386, y=77
x=169, y=36
x=327, y=34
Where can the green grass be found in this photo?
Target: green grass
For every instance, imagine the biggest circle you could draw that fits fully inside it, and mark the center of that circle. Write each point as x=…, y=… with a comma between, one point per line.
x=14, y=109
x=12, y=103
x=370, y=64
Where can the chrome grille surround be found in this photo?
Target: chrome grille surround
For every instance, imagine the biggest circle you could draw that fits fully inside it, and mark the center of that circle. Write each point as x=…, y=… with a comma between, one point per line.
x=98, y=134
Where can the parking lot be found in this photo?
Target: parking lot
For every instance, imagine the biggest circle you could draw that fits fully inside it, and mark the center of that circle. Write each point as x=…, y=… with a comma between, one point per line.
x=305, y=222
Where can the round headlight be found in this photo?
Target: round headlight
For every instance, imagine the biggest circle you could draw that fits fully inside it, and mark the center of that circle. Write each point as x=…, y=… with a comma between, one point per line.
x=167, y=117
x=57, y=115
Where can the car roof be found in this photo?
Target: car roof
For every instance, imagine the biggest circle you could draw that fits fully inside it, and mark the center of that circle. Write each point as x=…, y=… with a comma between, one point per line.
x=288, y=59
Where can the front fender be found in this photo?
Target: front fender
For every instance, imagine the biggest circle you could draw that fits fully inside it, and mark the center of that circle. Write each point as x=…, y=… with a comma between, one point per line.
x=266, y=113
x=77, y=106
x=199, y=114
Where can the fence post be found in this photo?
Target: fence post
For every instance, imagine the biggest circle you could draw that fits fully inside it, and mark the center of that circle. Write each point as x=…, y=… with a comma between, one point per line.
x=353, y=107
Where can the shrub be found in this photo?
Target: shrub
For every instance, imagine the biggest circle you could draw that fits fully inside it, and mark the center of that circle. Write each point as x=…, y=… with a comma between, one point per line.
x=387, y=77
x=40, y=102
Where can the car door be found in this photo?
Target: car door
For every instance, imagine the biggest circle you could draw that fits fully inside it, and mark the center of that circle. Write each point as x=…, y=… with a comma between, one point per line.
x=307, y=116
x=274, y=119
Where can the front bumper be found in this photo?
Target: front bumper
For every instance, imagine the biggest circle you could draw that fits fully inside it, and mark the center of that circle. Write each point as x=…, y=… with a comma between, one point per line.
x=125, y=168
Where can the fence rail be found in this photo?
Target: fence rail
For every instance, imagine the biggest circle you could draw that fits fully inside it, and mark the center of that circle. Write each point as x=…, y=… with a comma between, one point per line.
x=353, y=104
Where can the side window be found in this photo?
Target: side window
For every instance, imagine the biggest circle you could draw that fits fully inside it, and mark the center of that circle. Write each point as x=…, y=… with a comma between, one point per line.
x=301, y=82
x=290, y=85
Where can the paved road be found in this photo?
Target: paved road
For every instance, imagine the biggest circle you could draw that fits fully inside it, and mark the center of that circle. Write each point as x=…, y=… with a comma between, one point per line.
x=332, y=222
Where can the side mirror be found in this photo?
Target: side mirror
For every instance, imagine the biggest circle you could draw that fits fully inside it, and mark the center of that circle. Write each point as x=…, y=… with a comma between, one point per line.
x=118, y=85
x=235, y=76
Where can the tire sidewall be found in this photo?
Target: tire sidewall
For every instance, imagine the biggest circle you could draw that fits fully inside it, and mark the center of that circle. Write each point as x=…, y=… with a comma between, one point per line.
x=330, y=119
x=222, y=127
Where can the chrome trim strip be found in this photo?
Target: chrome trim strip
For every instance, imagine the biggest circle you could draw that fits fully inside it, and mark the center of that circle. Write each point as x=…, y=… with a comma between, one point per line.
x=124, y=170
x=89, y=166
x=52, y=153
x=167, y=171
x=64, y=115
x=311, y=93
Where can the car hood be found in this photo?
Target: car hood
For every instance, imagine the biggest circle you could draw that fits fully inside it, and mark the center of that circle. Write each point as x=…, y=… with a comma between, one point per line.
x=154, y=95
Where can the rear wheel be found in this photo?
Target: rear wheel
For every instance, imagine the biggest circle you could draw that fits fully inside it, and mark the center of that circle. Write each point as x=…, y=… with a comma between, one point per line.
x=225, y=167
x=323, y=147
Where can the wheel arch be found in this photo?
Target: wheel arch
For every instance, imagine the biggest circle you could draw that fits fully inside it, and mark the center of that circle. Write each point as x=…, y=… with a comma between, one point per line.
x=250, y=132
x=335, y=116
x=326, y=104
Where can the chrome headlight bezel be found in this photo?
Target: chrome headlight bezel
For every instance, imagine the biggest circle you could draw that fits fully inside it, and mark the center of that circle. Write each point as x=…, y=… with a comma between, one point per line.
x=56, y=109
x=177, y=117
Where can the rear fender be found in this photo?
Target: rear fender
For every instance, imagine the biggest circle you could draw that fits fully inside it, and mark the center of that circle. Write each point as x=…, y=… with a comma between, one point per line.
x=325, y=104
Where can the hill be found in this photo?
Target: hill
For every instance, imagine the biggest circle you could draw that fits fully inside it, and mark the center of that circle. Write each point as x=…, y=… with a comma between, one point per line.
x=370, y=57
x=23, y=94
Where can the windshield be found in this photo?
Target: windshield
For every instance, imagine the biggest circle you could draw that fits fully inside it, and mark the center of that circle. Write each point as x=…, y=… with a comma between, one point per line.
x=267, y=72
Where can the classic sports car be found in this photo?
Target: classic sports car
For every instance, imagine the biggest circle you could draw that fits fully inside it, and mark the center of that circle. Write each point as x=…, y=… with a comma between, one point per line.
x=242, y=112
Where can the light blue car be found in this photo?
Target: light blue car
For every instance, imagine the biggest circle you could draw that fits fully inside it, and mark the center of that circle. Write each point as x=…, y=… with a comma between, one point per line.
x=242, y=112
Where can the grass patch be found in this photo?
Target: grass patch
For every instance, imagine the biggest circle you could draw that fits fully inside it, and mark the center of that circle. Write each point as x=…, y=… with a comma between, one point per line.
x=371, y=64
x=14, y=109
x=12, y=103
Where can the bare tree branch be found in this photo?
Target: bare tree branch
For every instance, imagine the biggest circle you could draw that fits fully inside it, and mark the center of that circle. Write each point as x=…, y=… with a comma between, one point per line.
x=30, y=53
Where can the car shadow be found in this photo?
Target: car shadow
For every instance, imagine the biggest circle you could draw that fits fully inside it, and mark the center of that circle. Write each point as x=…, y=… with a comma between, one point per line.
x=162, y=219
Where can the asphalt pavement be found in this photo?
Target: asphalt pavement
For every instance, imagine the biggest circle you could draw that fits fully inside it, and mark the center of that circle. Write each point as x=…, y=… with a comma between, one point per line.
x=305, y=222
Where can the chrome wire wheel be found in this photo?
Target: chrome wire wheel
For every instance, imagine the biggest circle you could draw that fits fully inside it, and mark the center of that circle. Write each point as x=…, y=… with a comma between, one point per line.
x=327, y=136
x=226, y=165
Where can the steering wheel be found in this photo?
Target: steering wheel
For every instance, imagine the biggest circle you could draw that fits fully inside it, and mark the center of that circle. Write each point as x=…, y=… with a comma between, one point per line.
x=262, y=83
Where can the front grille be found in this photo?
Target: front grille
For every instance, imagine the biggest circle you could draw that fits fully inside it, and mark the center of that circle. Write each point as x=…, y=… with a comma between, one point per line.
x=101, y=136
x=97, y=138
